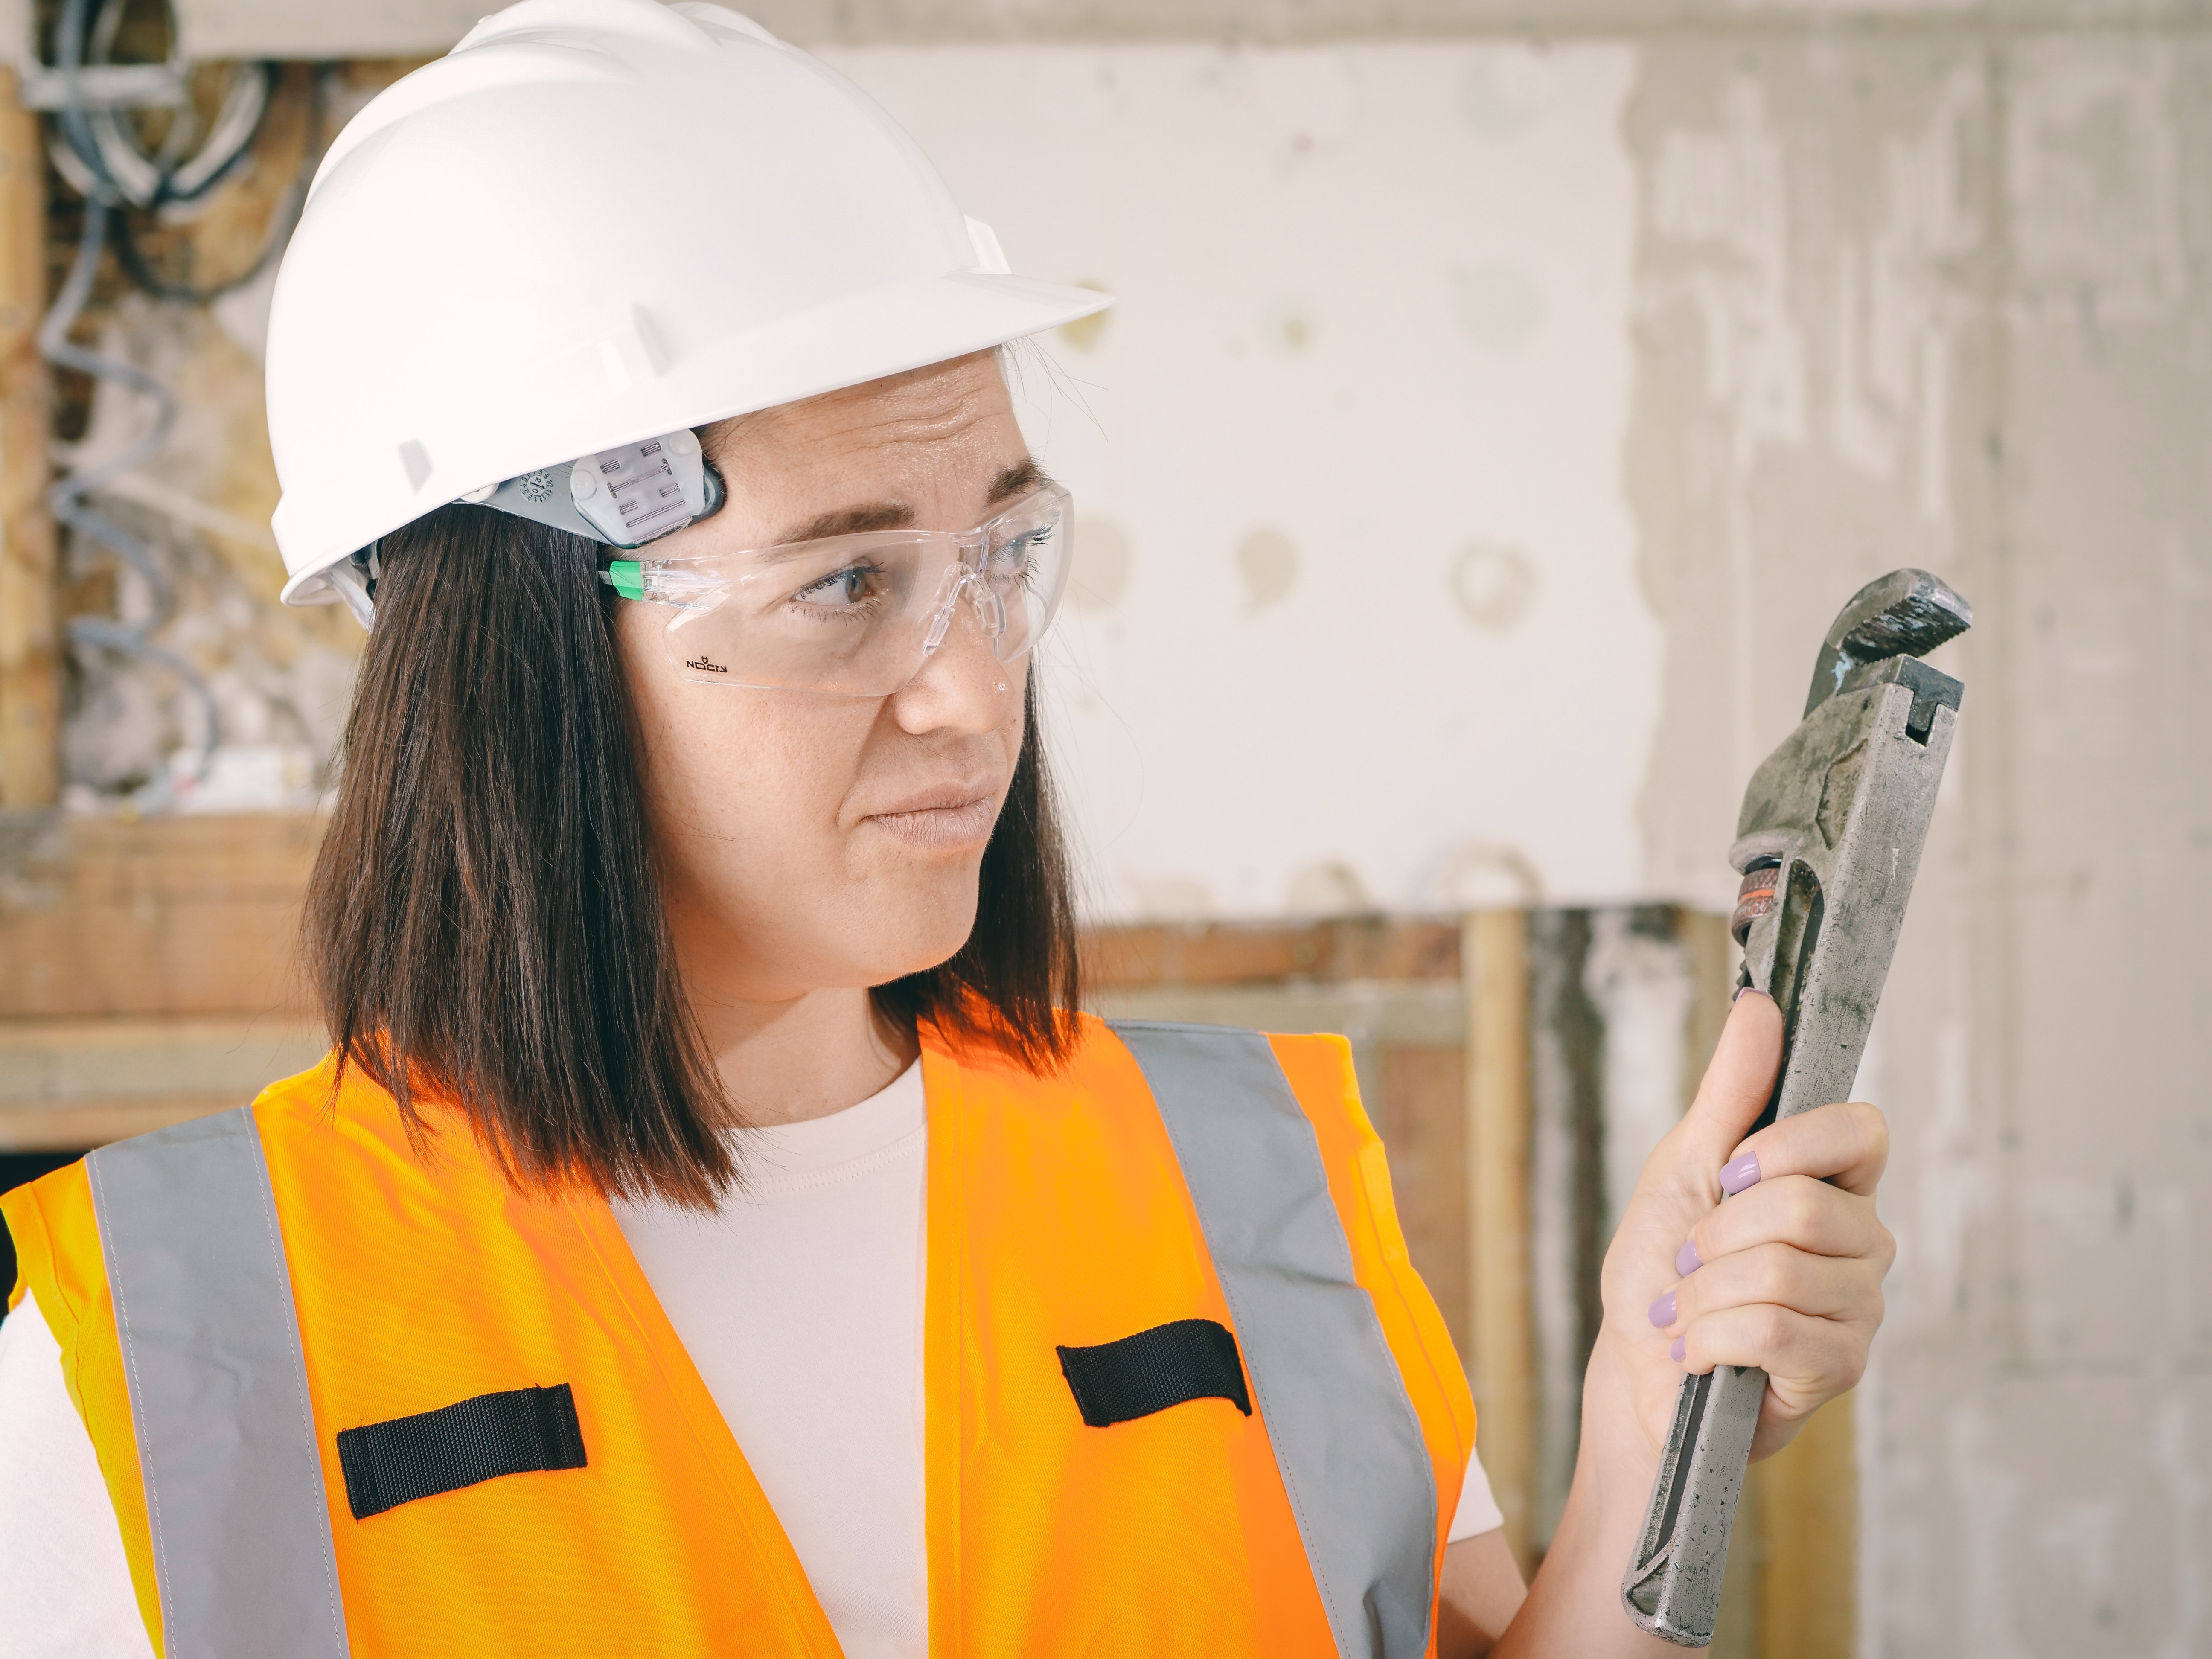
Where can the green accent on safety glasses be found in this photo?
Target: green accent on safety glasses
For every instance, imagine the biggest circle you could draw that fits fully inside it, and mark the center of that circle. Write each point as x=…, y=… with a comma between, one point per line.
x=627, y=576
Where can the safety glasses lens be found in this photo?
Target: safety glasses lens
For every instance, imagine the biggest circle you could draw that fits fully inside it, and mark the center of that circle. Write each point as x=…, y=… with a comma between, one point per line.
x=859, y=614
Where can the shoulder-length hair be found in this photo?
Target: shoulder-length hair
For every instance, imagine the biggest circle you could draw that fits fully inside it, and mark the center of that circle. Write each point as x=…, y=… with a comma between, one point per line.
x=484, y=926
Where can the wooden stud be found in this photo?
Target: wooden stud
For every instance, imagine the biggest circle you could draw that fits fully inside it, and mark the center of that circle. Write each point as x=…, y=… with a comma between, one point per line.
x=1714, y=960
x=1809, y=1524
x=30, y=662
x=1501, y=1358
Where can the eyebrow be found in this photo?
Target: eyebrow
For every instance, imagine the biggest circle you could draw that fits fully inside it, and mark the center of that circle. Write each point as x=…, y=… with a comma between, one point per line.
x=1009, y=482
x=1017, y=480
x=850, y=521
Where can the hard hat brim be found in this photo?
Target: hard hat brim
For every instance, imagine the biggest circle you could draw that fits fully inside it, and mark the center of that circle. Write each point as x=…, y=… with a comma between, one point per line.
x=844, y=342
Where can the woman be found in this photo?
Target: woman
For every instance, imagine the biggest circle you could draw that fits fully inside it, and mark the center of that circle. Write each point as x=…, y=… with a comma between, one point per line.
x=693, y=932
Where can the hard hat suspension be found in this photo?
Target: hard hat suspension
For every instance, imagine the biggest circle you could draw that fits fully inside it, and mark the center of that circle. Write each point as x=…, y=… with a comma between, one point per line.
x=623, y=497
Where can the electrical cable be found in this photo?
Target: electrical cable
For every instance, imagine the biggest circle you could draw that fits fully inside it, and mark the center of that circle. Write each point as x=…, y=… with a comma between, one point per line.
x=115, y=174
x=100, y=156
x=66, y=500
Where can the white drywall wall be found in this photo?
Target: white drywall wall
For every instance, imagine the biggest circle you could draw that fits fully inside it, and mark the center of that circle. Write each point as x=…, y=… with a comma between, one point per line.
x=1356, y=619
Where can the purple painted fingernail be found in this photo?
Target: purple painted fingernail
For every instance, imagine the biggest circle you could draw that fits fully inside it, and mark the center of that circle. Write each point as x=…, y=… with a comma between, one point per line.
x=1742, y=990
x=1743, y=1173
x=1687, y=1260
x=1663, y=1311
x=1680, y=1348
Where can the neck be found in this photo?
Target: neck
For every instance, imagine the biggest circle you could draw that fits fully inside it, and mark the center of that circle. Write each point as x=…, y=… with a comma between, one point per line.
x=815, y=1054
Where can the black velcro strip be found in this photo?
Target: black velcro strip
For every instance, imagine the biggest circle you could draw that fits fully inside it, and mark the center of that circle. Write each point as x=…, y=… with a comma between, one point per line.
x=1184, y=1359
x=518, y=1431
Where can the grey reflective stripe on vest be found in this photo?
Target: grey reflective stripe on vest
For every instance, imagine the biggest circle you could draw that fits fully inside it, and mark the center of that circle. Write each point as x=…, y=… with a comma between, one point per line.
x=1345, y=1433
x=234, y=1494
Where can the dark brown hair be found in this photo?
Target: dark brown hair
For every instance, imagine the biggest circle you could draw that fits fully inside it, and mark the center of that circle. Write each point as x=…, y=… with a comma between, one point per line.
x=485, y=925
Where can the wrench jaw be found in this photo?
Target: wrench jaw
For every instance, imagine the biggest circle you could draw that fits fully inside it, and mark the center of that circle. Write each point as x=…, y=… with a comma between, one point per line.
x=1843, y=808
x=1829, y=844
x=1907, y=613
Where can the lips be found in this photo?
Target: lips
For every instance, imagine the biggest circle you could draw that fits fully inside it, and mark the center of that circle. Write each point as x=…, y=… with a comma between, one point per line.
x=946, y=818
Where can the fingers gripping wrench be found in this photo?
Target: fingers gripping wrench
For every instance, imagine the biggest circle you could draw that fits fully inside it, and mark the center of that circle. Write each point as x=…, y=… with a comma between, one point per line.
x=1828, y=842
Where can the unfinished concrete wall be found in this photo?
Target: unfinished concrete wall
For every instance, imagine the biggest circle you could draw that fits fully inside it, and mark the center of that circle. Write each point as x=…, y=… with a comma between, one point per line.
x=1941, y=299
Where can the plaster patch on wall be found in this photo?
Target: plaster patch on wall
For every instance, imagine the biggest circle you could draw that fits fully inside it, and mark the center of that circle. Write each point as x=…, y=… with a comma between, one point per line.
x=1988, y=1493
x=1290, y=326
x=1722, y=191
x=1102, y=564
x=2078, y=1534
x=1500, y=305
x=1494, y=585
x=2096, y=183
x=1898, y=312
x=1725, y=189
x=1505, y=89
x=1952, y=1192
x=2173, y=1454
x=1331, y=888
x=1268, y=560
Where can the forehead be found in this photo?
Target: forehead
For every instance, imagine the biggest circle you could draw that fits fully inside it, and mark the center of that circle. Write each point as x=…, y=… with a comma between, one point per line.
x=928, y=419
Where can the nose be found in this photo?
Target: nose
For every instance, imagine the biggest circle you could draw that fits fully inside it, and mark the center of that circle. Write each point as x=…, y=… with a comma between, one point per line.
x=961, y=685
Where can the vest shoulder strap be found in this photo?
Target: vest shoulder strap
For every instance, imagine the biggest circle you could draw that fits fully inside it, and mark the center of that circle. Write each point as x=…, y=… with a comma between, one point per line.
x=1347, y=1439
x=204, y=1313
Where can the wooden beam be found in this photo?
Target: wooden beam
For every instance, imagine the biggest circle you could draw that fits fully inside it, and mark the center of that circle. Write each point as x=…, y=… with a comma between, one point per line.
x=1145, y=954
x=30, y=661
x=168, y=916
x=1501, y=1358
x=67, y=1085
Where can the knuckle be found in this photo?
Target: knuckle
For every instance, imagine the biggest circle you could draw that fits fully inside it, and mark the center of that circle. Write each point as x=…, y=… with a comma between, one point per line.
x=1885, y=1247
x=1852, y=1370
x=1772, y=1274
x=1802, y=1208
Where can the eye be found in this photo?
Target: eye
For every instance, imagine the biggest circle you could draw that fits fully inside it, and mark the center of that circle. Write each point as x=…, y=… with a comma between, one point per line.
x=842, y=590
x=1016, y=559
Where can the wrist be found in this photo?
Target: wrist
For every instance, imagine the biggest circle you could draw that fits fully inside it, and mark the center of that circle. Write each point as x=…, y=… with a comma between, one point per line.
x=1619, y=1454
x=1574, y=1606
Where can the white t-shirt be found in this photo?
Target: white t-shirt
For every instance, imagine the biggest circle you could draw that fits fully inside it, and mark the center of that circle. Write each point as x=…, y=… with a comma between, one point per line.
x=800, y=1303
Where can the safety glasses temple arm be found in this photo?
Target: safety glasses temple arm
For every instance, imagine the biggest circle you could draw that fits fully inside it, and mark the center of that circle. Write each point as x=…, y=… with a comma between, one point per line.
x=656, y=581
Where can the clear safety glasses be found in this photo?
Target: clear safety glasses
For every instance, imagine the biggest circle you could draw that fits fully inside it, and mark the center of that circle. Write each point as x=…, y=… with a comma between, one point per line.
x=859, y=615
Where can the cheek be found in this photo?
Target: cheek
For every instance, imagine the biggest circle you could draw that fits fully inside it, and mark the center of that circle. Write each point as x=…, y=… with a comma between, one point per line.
x=725, y=763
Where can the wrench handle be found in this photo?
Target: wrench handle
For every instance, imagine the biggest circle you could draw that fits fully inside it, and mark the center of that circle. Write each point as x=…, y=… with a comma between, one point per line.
x=1674, y=1587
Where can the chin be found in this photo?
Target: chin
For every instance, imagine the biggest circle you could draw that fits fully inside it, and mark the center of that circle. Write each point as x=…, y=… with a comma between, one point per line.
x=908, y=927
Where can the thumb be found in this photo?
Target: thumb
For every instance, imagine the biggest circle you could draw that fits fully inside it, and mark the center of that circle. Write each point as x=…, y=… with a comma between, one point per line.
x=1739, y=1080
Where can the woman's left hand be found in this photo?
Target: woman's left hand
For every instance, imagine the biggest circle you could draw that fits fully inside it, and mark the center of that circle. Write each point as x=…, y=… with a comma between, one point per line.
x=1786, y=1274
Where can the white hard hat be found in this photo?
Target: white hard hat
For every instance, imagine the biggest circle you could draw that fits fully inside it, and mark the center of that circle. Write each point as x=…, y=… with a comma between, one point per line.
x=593, y=223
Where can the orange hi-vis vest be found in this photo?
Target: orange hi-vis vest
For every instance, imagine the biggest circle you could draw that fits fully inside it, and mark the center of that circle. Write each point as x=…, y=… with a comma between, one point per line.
x=1184, y=1392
